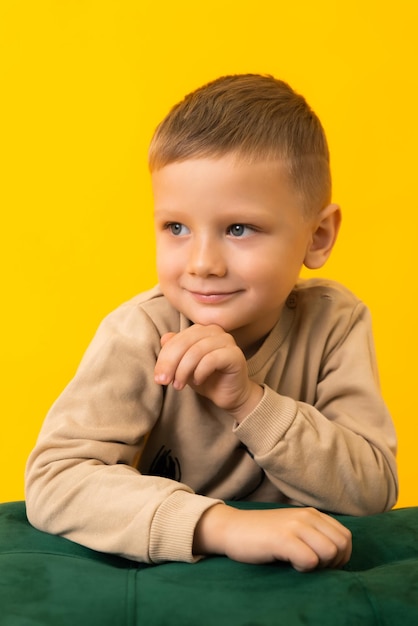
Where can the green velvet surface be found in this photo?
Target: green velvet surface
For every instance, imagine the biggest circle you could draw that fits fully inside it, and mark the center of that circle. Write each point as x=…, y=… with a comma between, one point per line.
x=49, y=581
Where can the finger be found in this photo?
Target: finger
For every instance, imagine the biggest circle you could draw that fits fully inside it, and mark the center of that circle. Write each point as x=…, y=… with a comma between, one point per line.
x=329, y=540
x=201, y=360
x=166, y=337
x=342, y=538
x=176, y=345
x=173, y=346
x=227, y=359
x=301, y=556
x=345, y=555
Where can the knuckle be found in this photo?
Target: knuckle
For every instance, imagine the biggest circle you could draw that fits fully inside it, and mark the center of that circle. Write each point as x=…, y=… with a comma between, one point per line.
x=306, y=513
x=331, y=552
x=310, y=562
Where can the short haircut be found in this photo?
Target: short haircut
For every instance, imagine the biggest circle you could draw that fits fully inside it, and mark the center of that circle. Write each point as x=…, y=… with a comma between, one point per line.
x=255, y=118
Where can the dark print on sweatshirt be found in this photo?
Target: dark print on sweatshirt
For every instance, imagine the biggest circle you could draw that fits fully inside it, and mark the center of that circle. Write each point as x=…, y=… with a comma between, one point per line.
x=166, y=465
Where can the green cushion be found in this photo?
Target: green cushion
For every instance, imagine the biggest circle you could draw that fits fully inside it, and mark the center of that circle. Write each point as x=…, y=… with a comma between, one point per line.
x=47, y=580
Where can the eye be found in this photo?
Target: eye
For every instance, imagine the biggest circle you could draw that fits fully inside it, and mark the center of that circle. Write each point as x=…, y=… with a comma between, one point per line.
x=177, y=229
x=239, y=230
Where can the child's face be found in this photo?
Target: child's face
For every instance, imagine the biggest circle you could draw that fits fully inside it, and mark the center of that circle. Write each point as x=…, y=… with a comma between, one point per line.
x=231, y=240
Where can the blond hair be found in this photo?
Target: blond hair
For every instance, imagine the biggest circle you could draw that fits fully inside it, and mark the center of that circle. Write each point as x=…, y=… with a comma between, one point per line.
x=255, y=117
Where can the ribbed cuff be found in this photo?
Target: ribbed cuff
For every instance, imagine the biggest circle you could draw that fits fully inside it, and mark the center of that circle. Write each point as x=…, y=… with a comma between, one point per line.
x=173, y=527
x=263, y=428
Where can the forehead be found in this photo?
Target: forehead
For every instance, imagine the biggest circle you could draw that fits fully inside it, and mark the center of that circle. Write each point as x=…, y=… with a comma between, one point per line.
x=222, y=180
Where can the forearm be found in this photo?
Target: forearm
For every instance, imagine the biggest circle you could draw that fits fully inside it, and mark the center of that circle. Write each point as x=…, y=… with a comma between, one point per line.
x=320, y=462
x=114, y=509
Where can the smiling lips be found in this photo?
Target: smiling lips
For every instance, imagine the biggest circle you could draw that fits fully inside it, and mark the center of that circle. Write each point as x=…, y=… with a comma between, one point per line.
x=212, y=298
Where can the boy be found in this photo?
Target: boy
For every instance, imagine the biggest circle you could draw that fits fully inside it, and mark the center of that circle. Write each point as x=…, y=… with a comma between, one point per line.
x=231, y=380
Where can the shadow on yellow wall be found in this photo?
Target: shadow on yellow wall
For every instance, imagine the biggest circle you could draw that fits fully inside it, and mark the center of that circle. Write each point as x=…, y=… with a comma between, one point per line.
x=85, y=85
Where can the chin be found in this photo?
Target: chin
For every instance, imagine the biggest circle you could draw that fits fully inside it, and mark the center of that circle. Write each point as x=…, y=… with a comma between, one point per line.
x=207, y=320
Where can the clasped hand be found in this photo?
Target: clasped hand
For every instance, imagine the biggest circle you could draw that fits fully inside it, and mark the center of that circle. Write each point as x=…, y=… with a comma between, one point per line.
x=303, y=537
x=207, y=359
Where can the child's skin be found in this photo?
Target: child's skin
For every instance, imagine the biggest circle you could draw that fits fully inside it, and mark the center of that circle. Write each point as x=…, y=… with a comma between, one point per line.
x=232, y=238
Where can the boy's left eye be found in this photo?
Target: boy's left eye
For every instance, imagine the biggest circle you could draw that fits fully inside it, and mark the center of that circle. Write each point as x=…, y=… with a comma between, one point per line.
x=239, y=230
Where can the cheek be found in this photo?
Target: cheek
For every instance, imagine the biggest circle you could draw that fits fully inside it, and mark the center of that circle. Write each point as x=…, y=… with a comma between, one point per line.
x=270, y=276
x=162, y=257
x=168, y=264
x=260, y=268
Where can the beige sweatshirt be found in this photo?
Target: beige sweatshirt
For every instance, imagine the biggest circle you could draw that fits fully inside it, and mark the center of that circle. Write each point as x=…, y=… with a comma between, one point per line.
x=120, y=460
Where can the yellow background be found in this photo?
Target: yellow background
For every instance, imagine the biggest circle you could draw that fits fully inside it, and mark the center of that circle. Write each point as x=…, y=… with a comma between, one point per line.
x=85, y=82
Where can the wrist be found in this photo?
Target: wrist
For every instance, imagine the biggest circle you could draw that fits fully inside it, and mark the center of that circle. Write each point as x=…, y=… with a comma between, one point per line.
x=210, y=531
x=253, y=398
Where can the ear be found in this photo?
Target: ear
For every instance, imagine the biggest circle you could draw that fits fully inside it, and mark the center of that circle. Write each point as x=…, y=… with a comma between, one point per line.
x=324, y=235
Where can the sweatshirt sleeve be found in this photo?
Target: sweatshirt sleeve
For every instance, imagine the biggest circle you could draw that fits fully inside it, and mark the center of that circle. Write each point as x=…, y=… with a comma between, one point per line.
x=80, y=479
x=336, y=453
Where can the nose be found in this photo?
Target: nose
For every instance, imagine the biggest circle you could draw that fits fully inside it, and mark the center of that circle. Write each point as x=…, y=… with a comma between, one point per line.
x=206, y=258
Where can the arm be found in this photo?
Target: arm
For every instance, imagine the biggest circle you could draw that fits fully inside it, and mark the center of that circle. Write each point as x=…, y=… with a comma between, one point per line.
x=80, y=482
x=336, y=449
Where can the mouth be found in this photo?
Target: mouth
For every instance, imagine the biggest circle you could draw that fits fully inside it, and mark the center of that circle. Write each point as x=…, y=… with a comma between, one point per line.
x=212, y=297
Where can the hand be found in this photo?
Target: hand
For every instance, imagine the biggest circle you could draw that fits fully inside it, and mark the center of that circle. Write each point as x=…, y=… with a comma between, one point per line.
x=208, y=359
x=303, y=537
